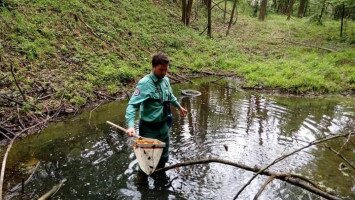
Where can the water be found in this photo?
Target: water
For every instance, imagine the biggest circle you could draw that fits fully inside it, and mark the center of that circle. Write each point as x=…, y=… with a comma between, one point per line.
x=243, y=127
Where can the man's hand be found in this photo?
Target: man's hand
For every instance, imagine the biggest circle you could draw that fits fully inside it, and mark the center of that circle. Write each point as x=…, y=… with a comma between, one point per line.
x=183, y=111
x=131, y=132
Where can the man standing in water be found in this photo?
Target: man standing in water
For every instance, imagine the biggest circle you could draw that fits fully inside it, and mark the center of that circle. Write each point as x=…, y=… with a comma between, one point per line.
x=152, y=96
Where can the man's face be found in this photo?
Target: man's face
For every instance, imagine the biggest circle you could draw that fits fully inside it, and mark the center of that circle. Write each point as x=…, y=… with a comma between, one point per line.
x=160, y=70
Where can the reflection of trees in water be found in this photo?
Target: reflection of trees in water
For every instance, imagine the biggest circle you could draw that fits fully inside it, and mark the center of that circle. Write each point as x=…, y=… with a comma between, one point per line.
x=314, y=115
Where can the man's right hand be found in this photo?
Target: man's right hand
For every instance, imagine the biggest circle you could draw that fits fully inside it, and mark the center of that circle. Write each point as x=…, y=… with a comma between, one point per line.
x=131, y=132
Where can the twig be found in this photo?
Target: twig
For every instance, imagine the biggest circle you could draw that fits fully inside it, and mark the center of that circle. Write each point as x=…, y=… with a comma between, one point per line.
x=18, y=186
x=182, y=77
x=348, y=139
x=12, y=133
x=53, y=190
x=5, y=135
x=8, y=150
x=4, y=165
x=287, y=155
x=92, y=111
x=17, y=85
x=289, y=178
x=341, y=156
x=269, y=180
x=99, y=93
x=19, y=118
x=173, y=78
x=11, y=99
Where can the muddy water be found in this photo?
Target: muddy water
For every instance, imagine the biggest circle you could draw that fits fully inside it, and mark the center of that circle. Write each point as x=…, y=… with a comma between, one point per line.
x=248, y=128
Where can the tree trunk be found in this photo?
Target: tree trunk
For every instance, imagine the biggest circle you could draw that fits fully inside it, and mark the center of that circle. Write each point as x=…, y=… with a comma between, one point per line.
x=321, y=13
x=209, y=21
x=274, y=5
x=262, y=11
x=301, y=8
x=183, y=11
x=305, y=8
x=255, y=12
x=290, y=9
x=232, y=15
x=285, y=6
x=225, y=11
x=188, y=12
x=342, y=21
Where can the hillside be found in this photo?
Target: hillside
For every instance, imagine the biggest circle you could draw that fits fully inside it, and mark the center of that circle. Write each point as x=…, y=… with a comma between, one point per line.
x=68, y=54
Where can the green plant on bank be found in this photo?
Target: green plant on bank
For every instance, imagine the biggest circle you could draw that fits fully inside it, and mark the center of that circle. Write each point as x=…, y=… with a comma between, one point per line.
x=87, y=46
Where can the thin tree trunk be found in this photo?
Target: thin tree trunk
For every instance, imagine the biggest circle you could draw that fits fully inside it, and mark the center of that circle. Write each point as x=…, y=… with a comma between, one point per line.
x=231, y=18
x=188, y=11
x=262, y=11
x=183, y=11
x=225, y=11
x=305, y=8
x=301, y=8
x=209, y=20
x=290, y=9
x=321, y=13
x=342, y=21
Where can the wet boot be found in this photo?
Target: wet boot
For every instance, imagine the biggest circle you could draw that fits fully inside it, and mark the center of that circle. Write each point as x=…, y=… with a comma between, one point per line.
x=160, y=178
x=142, y=178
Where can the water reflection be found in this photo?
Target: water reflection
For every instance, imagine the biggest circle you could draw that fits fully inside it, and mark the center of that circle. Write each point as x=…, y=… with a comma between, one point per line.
x=248, y=128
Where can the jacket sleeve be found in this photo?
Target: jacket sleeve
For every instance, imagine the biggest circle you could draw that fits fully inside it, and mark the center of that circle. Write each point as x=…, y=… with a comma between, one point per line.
x=140, y=94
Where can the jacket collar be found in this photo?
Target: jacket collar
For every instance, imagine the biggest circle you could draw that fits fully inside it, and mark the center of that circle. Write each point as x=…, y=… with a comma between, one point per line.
x=155, y=78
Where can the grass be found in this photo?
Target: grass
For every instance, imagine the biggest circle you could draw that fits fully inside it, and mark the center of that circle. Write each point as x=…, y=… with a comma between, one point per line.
x=79, y=47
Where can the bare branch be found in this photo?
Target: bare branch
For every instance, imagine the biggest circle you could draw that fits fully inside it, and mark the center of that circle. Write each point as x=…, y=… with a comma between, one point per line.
x=17, y=85
x=289, y=178
x=318, y=141
x=341, y=156
x=53, y=190
x=269, y=180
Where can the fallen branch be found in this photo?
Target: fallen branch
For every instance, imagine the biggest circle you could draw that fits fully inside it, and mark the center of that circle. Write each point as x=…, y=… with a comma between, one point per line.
x=341, y=156
x=105, y=95
x=173, y=78
x=318, y=141
x=8, y=150
x=53, y=190
x=5, y=135
x=289, y=178
x=182, y=77
x=4, y=165
x=348, y=140
x=17, y=85
x=18, y=186
x=262, y=188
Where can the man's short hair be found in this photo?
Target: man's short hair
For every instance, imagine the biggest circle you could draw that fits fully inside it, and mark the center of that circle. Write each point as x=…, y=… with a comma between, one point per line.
x=160, y=59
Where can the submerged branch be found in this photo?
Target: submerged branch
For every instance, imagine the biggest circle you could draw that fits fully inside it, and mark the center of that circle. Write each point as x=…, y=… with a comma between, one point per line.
x=289, y=178
x=318, y=141
x=341, y=156
x=53, y=190
x=262, y=188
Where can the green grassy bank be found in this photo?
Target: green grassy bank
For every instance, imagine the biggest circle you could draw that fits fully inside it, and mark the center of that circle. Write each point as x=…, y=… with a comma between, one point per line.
x=76, y=48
